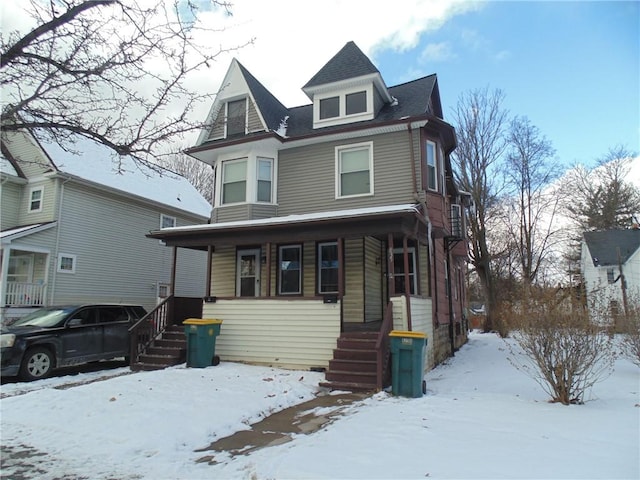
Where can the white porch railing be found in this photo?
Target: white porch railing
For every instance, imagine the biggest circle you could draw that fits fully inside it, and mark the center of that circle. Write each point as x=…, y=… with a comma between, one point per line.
x=25, y=294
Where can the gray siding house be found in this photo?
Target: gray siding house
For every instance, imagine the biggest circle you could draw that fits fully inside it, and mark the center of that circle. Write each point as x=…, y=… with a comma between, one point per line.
x=334, y=222
x=74, y=225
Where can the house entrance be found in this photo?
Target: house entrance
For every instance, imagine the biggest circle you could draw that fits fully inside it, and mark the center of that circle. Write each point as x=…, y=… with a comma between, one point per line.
x=248, y=276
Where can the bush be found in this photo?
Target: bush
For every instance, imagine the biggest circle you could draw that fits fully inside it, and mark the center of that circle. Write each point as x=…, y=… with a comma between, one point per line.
x=630, y=329
x=563, y=350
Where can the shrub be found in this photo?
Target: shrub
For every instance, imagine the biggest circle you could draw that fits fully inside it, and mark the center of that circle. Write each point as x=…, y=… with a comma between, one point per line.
x=630, y=329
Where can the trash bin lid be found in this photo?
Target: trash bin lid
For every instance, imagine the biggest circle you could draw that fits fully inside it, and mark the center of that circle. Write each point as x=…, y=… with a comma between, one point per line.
x=406, y=333
x=201, y=321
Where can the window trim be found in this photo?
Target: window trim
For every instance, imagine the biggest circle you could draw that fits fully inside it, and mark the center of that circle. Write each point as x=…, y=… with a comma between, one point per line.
x=246, y=180
x=342, y=117
x=299, y=247
x=40, y=200
x=338, y=177
x=258, y=180
x=164, y=217
x=428, y=166
x=319, y=268
x=74, y=262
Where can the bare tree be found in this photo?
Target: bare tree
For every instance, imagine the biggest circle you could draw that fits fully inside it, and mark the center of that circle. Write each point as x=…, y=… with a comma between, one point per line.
x=601, y=198
x=530, y=170
x=480, y=121
x=114, y=71
x=201, y=175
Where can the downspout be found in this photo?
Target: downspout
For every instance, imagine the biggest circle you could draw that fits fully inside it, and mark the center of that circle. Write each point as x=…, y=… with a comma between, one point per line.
x=451, y=315
x=56, y=251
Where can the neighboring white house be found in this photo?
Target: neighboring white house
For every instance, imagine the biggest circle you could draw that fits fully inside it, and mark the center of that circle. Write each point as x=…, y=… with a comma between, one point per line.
x=74, y=225
x=608, y=257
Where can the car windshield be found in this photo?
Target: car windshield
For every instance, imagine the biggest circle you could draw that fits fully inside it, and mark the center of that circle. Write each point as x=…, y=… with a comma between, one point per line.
x=45, y=317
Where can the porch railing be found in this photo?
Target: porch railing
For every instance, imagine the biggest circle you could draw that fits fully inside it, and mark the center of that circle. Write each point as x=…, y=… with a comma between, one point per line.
x=149, y=328
x=21, y=294
x=383, y=349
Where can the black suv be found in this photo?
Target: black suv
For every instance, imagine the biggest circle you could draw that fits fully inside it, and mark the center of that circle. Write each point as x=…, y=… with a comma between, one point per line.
x=54, y=337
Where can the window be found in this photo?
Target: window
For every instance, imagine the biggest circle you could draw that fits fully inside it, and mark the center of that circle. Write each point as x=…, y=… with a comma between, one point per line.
x=234, y=181
x=236, y=117
x=265, y=175
x=432, y=169
x=329, y=107
x=328, y=267
x=289, y=275
x=35, y=199
x=398, y=270
x=66, y=263
x=611, y=275
x=167, y=221
x=356, y=103
x=354, y=170
x=456, y=220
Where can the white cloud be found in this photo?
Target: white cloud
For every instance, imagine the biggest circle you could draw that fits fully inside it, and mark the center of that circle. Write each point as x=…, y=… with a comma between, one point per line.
x=437, y=52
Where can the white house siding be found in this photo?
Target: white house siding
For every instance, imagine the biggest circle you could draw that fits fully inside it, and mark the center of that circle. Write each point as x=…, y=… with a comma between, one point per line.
x=49, y=203
x=33, y=162
x=353, y=300
x=119, y=264
x=284, y=333
x=373, y=280
x=11, y=199
x=421, y=321
x=223, y=272
x=306, y=175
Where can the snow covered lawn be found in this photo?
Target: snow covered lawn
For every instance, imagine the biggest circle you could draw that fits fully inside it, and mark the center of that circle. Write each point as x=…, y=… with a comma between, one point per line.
x=481, y=418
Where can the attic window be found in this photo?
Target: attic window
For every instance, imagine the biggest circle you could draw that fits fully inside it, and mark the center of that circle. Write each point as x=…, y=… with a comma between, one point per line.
x=356, y=103
x=329, y=107
x=236, y=117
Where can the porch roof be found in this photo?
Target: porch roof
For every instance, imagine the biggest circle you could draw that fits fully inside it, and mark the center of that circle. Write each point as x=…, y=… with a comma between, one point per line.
x=6, y=236
x=404, y=219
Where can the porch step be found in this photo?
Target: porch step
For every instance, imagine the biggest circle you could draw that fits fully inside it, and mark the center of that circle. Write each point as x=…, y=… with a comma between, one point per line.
x=354, y=363
x=167, y=351
x=167, y=343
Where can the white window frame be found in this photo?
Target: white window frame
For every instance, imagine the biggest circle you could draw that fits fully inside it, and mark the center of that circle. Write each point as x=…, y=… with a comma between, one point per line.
x=246, y=180
x=342, y=117
x=319, y=267
x=338, y=155
x=413, y=277
x=226, y=116
x=431, y=164
x=40, y=200
x=280, y=249
x=61, y=258
x=163, y=218
x=258, y=179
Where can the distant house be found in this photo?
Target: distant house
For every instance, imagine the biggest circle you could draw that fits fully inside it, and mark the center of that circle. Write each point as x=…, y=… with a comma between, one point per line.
x=74, y=225
x=608, y=258
x=333, y=222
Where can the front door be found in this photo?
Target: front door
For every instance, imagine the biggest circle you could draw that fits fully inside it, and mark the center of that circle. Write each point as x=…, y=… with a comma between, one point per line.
x=248, y=276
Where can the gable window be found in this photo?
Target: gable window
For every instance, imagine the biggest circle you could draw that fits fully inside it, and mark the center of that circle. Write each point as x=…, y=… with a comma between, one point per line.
x=354, y=165
x=398, y=271
x=329, y=107
x=35, y=199
x=166, y=221
x=432, y=166
x=265, y=176
x=356, y=103
x=66, y=263
x=236, y=117
x=234, y=181
x=328, y=267
x=610, y=275
x=289, y=270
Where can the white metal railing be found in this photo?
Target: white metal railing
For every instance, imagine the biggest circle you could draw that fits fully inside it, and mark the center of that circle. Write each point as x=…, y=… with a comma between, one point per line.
x=25, y=294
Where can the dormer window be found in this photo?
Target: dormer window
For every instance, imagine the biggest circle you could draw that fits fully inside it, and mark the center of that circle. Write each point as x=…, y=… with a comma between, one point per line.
x=236, y=117
x=356, y=103
x=342, y=106
x=329, y=107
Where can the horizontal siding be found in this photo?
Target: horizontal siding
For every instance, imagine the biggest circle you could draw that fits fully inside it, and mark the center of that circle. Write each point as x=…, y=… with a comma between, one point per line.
x=33, y=161
x=11, y=200
x=231, y=213
x=223, y=272
x=115, y=261
x=421, y=321
x=373, y=280
x=260, y=210
x=353, y=301
x=254, y=124
x=285, y=333
x=306, y=176
x=49, y=203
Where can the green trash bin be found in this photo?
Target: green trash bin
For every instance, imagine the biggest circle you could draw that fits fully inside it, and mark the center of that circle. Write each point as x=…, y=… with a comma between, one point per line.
x=201, y=336
x=407, y=363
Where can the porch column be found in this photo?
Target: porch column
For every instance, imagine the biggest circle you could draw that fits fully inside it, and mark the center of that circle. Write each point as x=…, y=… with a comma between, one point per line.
x=390, y=269
x=340, y=268
x=407, y=285
x=6, y=253
x=174, y=264
x=207, y=289
x=268, y=260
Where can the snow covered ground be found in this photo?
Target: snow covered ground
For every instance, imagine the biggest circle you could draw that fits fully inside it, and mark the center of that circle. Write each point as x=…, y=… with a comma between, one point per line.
x=481, y=418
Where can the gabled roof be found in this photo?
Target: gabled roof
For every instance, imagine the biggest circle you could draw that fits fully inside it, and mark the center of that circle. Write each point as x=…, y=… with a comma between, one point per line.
x=349, y=62
x=273, y=112
x=604, y=246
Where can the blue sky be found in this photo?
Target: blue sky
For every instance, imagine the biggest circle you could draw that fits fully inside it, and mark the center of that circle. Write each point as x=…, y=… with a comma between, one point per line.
x=571, y=67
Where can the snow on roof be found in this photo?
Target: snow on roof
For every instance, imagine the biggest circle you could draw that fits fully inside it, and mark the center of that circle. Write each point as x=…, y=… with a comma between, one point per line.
x=97, y=163
x=6, y=167
x=357, y=212
x=17, y=232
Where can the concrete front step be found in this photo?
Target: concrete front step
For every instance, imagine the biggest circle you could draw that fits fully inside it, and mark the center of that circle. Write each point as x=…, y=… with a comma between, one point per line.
x=350, y=376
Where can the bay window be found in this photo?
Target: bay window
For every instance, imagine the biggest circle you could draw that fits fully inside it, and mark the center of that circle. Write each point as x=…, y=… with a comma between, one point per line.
x=234, y=181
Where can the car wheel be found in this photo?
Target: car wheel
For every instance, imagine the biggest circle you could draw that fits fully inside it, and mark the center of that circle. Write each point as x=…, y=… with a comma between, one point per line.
x=36, y=364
